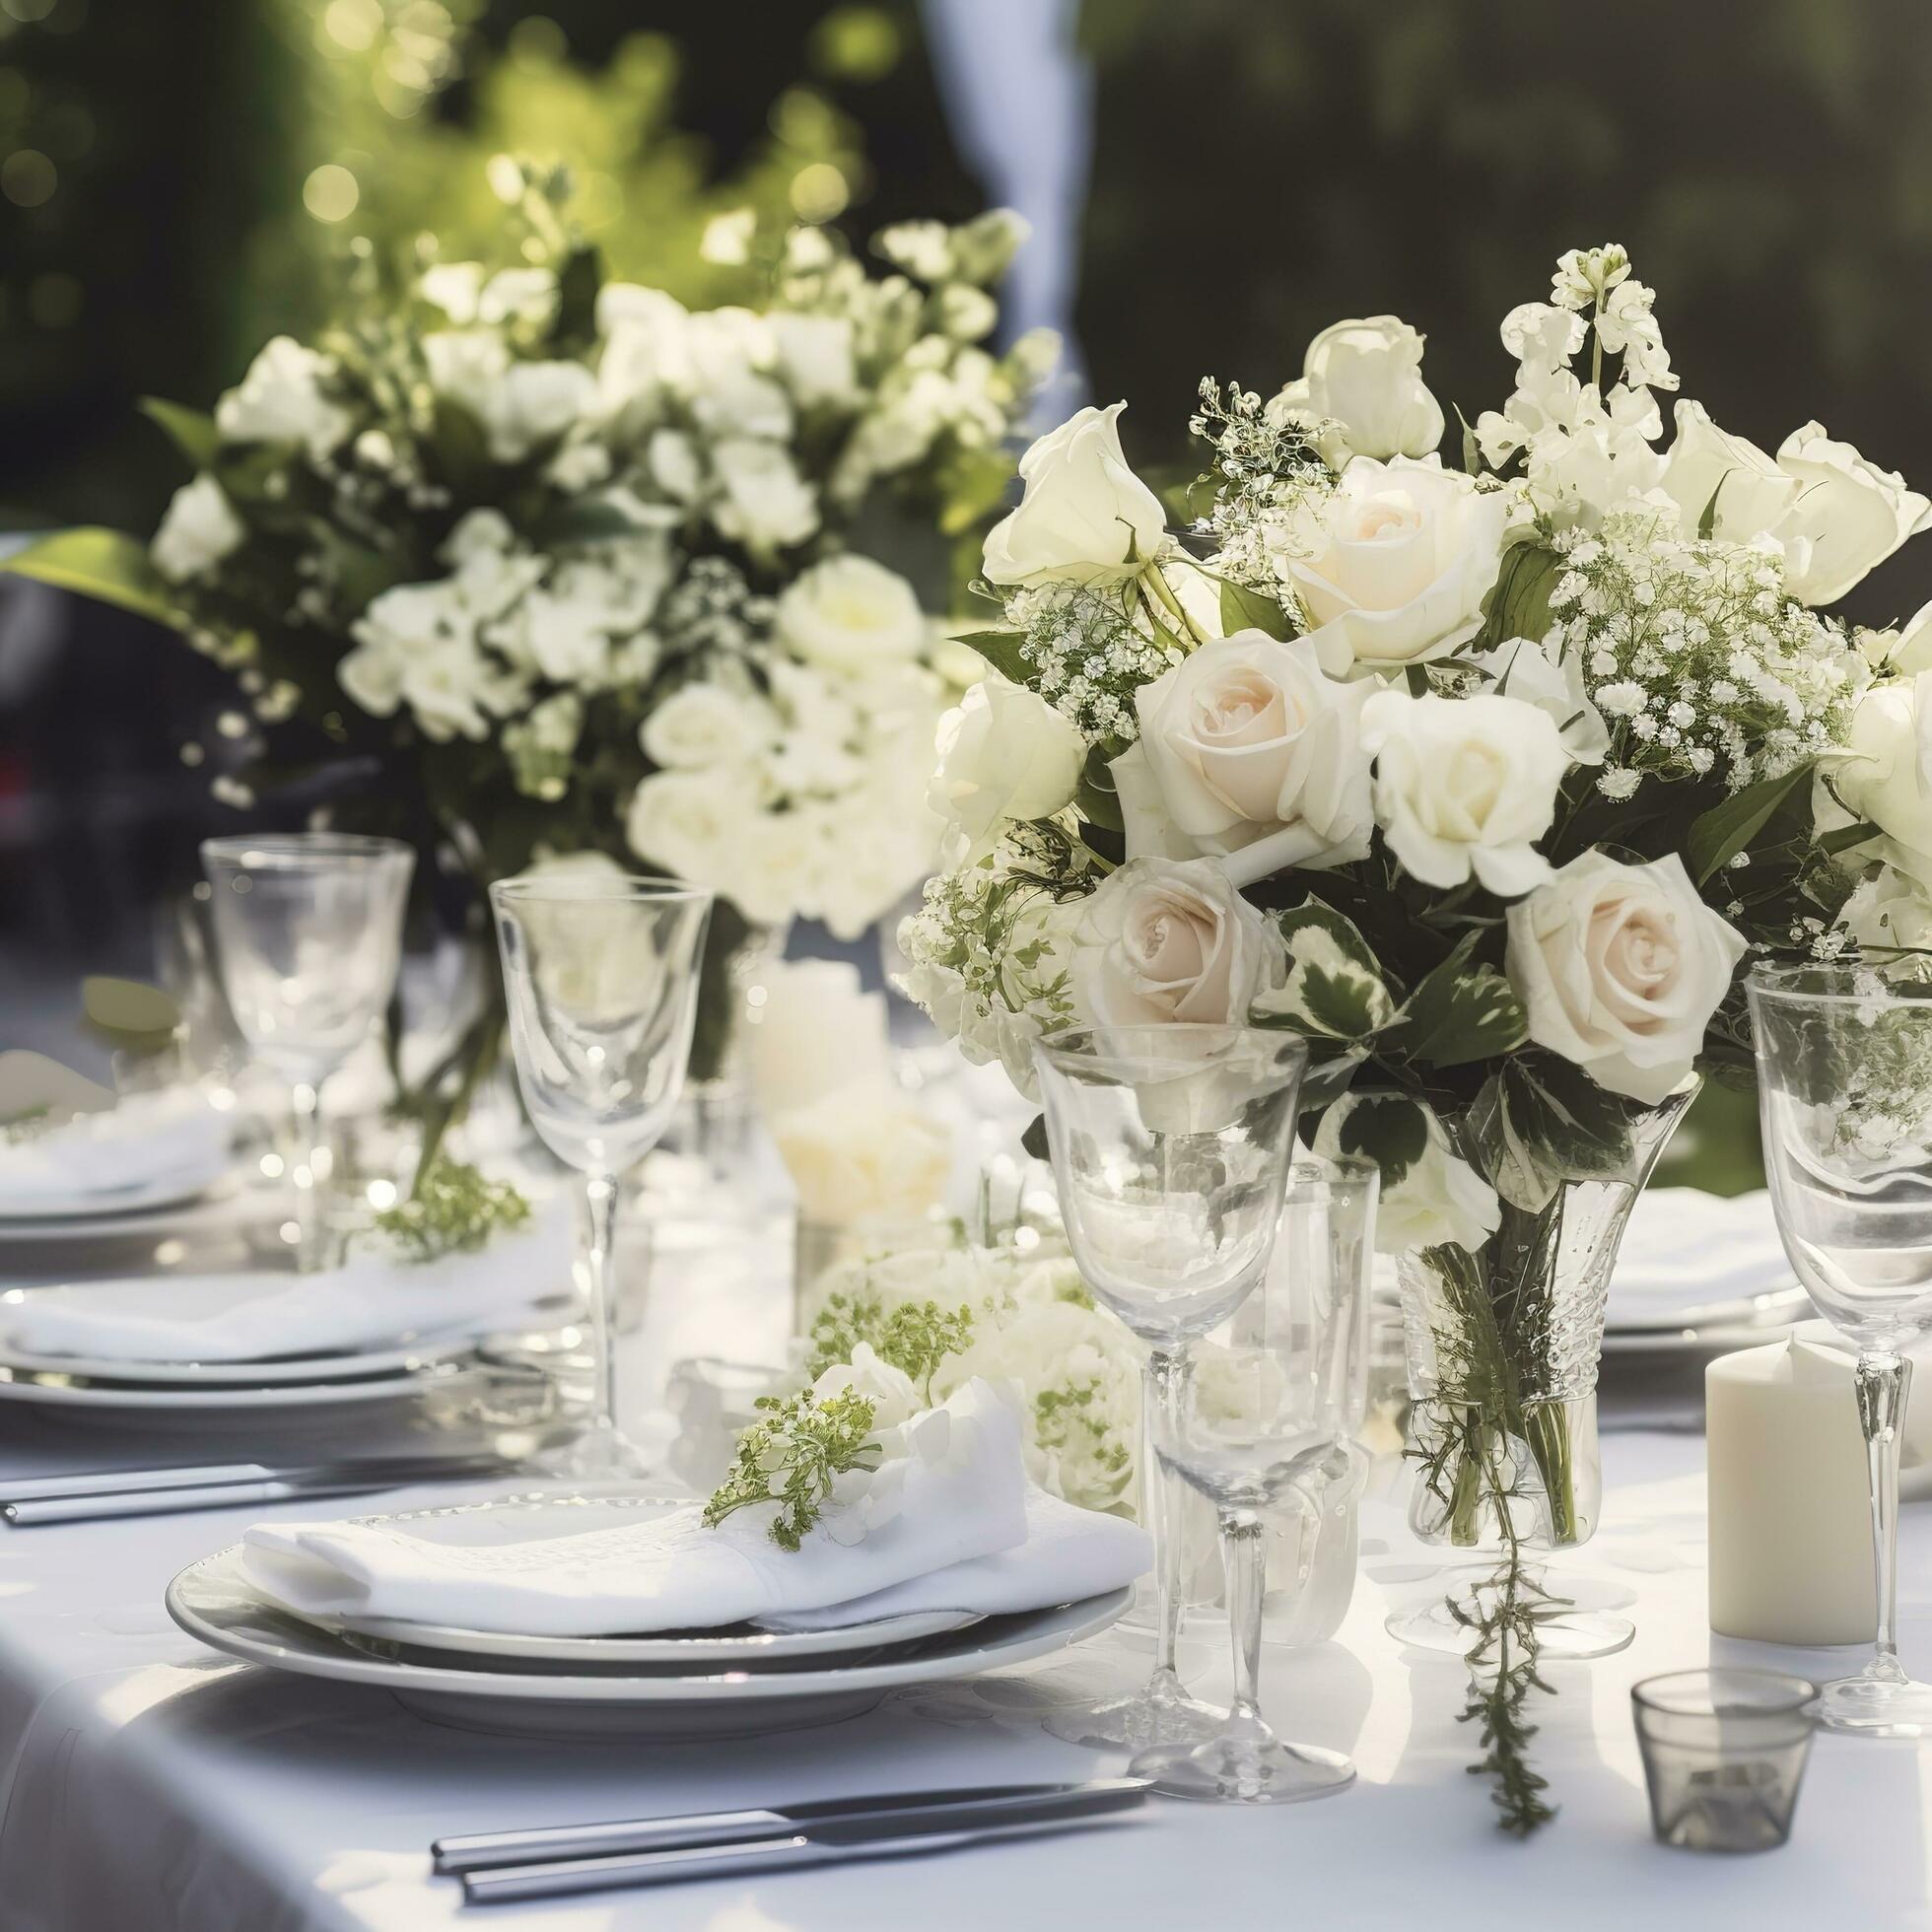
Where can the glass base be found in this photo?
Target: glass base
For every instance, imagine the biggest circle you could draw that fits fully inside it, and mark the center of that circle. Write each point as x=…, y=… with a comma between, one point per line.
x=1569, y=1635
x=600, y=1453
x=1241, y=1769
x=1877, y=1704
x=1159, y=1713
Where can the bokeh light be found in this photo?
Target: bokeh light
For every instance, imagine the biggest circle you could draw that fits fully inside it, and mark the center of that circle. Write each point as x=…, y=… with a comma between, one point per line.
x=330, y=194
x=28, y=178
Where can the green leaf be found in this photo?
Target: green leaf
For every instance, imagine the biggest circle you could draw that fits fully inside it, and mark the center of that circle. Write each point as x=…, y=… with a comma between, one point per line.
x=1519, y=604
x=1335, y=989
x=1539, y=1122
x=1460, y=1012
x=1096, y=797
x=1707, y=520
x=1034, y=1140
x=1243, y=609
x=584, y=521
x=578, y=283
x=191, y=431
x=1717, y=836
x=461, y=448
x=1390, y=1129
x=1000, y=649
x=107, y=565
x=971, y=483
x=1472, y=450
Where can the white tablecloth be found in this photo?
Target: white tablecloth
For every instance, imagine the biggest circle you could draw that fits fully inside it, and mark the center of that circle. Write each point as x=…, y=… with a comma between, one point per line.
x=148, y=1783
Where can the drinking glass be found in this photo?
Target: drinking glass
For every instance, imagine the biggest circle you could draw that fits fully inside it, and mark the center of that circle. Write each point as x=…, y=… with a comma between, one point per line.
x=1724, y=1754
x=1268, y=1423
x=1170, y=1154
x=1844, y=1083
x=600, y=978
x=308, y=936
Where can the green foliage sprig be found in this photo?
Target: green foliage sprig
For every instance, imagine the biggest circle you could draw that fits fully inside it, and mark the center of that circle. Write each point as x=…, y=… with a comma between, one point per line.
x=455, y=1209
x=915, y=1338
x=794, y=1455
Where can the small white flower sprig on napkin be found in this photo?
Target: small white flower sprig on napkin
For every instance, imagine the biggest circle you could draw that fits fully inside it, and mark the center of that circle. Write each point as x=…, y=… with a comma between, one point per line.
x=455, y=1209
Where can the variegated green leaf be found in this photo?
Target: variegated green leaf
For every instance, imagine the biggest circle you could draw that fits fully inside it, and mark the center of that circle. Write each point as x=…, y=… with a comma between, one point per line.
x=1459, y=1012
x=1333, y=990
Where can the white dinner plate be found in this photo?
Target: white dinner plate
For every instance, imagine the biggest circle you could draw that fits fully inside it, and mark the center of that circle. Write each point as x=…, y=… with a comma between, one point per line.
x=103, y=1209
x=213, y=1600
x=128, y=1404
x=474, y=1523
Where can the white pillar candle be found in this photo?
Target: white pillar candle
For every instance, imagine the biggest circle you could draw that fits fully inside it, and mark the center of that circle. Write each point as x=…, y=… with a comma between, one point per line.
x=813, y=1030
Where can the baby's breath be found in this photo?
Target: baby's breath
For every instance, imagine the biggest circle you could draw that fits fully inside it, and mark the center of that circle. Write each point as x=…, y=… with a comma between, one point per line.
x=793, y=1455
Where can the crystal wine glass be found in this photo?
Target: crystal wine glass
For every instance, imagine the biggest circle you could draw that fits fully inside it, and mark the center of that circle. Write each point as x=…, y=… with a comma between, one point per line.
x=1170, y=1152
x=308, y=936
x=1844, y=1083
x=1267, y=1424
x=600, y=976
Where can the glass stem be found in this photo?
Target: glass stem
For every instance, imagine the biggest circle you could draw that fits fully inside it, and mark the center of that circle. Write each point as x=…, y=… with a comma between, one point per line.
x=1244, y=1560
x=1163, y=1390
x=602, y=1193
x=309, y=1161
x=1884, y=1381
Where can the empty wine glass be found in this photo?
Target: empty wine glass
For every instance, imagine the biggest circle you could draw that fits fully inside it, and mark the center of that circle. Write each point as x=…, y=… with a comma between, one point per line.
x=600, y=976
x=309, y=936
x=1845, y=1083
x=1268, y=1422
x=1170, y=1152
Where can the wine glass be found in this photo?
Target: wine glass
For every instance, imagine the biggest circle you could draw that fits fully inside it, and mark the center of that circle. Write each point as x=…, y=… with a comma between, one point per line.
x=1268, y=1423
x=1845, y=1084
x=1170, y=1152
x=600, y=977
x=308, y=936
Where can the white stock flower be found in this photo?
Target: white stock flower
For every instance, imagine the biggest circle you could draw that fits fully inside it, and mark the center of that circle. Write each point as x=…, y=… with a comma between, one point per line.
x=281, y=400
x=1404, y=554
x=890, y=1390
x=765, y=503
x=1084, y=516
x=863, y=1153
x=1889, y=909
x=1912, y=647
x=1885, y=775
x=850, y=613
x=1848, y=517
x=702, y=724
x=1465, y=784
x=1256, y=757
x=1173, y=940
x=1620, y=969
x=1752, y=493
x=1439, y=1199
x=815, y=357
x=1522, y=669
x=533, y=403
x=1366, y=378
x=1005, y=753
x=199, y=530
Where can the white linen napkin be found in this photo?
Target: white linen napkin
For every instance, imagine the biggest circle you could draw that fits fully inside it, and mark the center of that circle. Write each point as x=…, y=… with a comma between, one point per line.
x=147, y=1140
x=374, y=1301
x=665, y=1572
x=1685, y=1247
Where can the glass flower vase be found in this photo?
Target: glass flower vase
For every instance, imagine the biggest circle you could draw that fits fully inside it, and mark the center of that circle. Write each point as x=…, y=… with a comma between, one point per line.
x=1502, y=1345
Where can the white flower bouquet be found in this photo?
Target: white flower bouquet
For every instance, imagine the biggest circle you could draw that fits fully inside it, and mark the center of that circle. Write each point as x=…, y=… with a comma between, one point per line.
x=1484, y=779
x=557, y=567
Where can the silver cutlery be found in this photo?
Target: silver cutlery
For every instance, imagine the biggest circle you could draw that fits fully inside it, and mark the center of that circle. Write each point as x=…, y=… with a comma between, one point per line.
x=886, y=1813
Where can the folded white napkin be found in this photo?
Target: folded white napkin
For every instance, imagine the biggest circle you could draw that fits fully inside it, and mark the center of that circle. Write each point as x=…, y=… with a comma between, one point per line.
x=147, y=1140
x=1685, y=1247
x=374, y=1301
x=962, y=1498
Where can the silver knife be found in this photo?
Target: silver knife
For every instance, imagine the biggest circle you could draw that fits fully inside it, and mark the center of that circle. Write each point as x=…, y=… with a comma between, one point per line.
x=903, y=1810
x=753, y=1858
x=120, y=1482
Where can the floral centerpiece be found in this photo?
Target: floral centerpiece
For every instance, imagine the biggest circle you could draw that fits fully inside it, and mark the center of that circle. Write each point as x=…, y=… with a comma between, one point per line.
x=1486, y=779
x=552, y=565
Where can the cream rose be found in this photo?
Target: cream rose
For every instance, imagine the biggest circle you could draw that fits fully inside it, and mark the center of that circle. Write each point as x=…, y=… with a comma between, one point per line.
x=1848, y=518
x=1005, y=754
x=850, y=614
x=1887, y=775
x=1404, y=555
x=1620, y=969
x=1172, y=941
x=703, y=725
x=863, y=1153
x=1256, y=757
x=1465, y=784
x=199, y=530
x=1706, y=463
x=1084, y=516
x=1366, y=379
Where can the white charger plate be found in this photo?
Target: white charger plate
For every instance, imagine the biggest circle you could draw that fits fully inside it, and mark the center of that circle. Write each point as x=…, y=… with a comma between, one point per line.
x=98, y=1209
x=213, y=1600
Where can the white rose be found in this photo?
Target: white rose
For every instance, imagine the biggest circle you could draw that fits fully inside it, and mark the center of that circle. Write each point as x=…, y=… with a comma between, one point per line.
x=1848, y=517
x=766, y=504
x=1005, y=754
x=702, y=725
x=816, y=356
x=863, y=1153
x=199, y=530
x=1440, y=1199
x=1752, y=493
x=1084, y=516
x=1886, y=775
x=1912, y=647
x=694, y=824
x=1620, y=969
x=1404, y=554
x=1521, y=668
x=850, y=613
x=1257, y=756
x=1172, y=941
x=1465, y=784
x=280, y=401
x=533, y=403
x=1366, y=376
x=1888, y=911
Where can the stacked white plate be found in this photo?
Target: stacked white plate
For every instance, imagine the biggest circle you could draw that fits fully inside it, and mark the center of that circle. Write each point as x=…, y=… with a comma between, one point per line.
x=665, y=1686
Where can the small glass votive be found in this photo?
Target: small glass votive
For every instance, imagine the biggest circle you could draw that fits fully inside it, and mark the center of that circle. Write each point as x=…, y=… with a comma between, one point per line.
x=1724, y=1753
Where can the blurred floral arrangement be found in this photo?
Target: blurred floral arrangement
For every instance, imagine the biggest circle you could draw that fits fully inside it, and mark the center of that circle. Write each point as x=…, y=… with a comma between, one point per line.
x=1484, y=780
x=575, y=568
